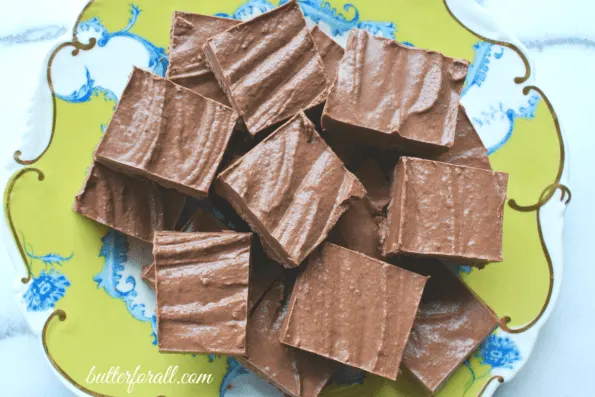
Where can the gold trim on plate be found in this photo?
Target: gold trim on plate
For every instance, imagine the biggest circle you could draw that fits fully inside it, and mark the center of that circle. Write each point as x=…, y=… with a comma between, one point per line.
x=61, y=315
x=8, y=214
x=545, y=196
x=517, y=80
x=499, y=378
x=78, y=46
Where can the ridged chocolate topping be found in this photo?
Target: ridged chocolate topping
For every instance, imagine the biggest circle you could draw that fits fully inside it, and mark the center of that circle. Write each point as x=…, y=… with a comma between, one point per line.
x=187, y=63
x=132, y=206
x=446, y=211
x=269, y=67
x=291, y=188
x=202, y=291
x=388, y=94
x=167, y=133
x=450, y=324
x=353, y=309
x=294, y=372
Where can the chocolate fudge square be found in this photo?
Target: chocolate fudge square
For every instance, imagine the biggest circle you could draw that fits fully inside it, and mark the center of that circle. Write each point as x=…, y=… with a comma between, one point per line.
x=202, y=291
x=132, y=206
x=201, y=221
x=390, y=95
x=187, y=63
x=353, y=309
x=446, y=211
x=167, y=133
x=291, y=188
x=269, y=67
x=295, y=372
x=450, y=324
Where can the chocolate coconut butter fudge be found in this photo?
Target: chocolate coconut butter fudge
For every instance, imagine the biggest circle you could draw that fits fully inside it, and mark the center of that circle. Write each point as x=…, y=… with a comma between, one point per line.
x=167, y=133
x=390, y=95
x=187, y=62
x=295, y=372
x=323, y=194
x=450, y=324
x=446, y=211
x=132, y=206
x=291, y=188
x=330, y=51
x=202, y=291
x=269, y=67
x=353, y=309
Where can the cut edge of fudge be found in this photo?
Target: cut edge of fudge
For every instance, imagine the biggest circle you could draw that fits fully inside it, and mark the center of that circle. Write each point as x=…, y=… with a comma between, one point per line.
x=240, y=239
x=387, y=138
x=147, y=274
x=270, y=244
x=184, y=15
x=294, y=298
x=134, y=170
x=225, y=83
x=399, y=191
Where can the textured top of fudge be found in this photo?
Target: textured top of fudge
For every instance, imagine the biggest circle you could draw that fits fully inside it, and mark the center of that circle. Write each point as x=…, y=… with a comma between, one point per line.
x=450, y=324
x=295, y=372
x=291, y=188
x=187, y=63
x=445, y=210
x=132, y=206
x=354, y=309
x=394, y=94
x=330, y=51
x=468, y=149
x=167, y=133
x=202, y=291
x=269, y=67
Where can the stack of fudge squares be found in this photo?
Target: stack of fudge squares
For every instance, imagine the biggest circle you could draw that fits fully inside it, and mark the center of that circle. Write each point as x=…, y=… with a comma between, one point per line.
x=335, y=189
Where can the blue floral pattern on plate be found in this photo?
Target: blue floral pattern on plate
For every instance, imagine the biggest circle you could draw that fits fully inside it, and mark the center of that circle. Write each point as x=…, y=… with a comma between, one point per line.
x=114, y=250
x=499, y=352
x=50, y=286
x=318, y=11
x=45, y=290
x=158, y=61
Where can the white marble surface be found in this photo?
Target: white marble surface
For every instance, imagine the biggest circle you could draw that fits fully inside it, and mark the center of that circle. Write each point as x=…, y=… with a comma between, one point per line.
x=560, y=36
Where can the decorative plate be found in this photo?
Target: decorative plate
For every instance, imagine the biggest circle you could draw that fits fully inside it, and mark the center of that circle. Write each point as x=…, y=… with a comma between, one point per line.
x=81, y=288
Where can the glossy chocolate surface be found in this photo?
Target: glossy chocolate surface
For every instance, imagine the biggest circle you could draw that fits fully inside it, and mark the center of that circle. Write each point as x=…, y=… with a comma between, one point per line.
x=391, y=95
x=353, y=309
x=187, y=63
x=167, y=133
x=450, y=324
x=132, y=206
x=295, y=372
x=468, y=149
x=202, y=291
x=291, y=188
x=269, y=67
x=446, y=211
x=330, y=51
